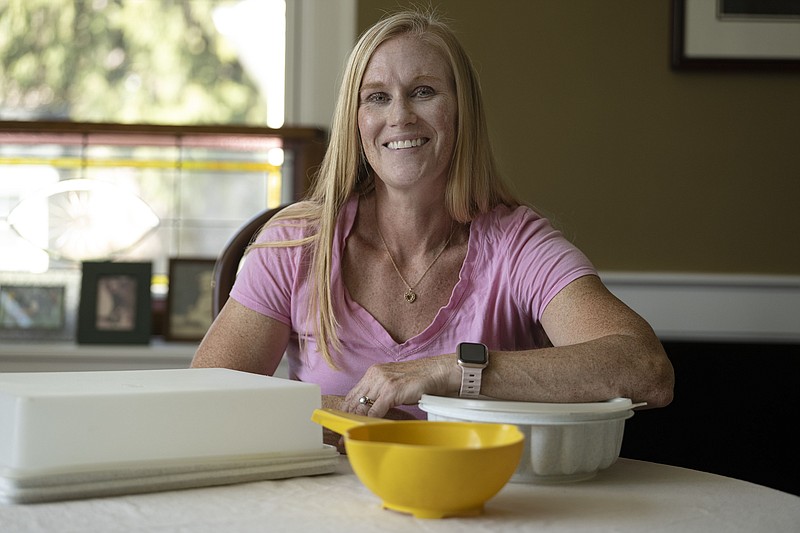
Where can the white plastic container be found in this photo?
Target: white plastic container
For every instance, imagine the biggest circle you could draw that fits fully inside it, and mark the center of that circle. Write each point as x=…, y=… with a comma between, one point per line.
x=563, y=442
x=80, y=433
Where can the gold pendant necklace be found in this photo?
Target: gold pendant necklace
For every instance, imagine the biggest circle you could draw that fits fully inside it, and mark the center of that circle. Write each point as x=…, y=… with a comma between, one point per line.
x=410, y=295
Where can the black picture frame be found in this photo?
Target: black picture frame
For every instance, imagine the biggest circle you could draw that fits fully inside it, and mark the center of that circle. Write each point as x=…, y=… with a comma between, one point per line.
x=189, y=298
x=115, y=303
x=740, y=42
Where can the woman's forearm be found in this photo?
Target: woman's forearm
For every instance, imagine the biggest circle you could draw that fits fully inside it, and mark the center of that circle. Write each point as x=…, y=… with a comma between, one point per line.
x=607, y=367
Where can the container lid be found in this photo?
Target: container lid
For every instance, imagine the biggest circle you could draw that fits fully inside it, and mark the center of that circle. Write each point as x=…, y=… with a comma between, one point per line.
x=615, y=405
x=151, y=476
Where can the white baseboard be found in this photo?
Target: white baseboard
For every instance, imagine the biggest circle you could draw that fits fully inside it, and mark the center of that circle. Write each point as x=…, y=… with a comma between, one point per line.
x=713, y=307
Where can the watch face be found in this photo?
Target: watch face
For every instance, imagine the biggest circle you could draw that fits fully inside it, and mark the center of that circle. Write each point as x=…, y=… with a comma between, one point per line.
x=471, y=352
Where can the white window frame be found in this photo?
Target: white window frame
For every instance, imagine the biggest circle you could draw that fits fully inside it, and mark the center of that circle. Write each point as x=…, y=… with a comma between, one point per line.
x=319, y=37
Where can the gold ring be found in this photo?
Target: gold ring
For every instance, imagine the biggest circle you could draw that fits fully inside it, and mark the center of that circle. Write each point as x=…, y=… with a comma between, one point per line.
x=365, y=400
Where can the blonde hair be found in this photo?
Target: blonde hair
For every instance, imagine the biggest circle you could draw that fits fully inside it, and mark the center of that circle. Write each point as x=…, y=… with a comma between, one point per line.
x=473, y=187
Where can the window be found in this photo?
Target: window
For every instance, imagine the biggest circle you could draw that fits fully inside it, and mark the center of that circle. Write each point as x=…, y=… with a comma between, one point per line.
x=169, y=107
x=144, y=61
x=195, y=62
x=83, y=191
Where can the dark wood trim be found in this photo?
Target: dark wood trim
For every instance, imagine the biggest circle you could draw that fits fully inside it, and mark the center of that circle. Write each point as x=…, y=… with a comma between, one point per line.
x=293, y=133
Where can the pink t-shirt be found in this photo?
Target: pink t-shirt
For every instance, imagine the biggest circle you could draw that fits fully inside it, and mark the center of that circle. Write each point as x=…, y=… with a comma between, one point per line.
x=515, y=263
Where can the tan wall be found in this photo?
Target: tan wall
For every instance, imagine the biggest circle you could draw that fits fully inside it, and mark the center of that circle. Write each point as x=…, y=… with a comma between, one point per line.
x=645, y=168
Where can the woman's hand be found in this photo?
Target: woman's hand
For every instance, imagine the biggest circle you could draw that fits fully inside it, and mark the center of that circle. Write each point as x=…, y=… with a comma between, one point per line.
x=391, y=384
x=328, y=435
x=335, y=439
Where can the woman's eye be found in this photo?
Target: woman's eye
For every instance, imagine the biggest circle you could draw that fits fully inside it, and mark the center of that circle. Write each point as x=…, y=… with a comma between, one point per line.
x=423, y=91
x=376, y=98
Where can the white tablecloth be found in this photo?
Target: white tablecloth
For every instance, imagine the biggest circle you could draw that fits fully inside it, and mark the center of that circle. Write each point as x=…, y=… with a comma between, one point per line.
x=630, y=496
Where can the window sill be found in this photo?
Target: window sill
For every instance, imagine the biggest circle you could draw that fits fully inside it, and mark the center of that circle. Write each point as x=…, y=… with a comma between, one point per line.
x=69, y=356
x=22, y=356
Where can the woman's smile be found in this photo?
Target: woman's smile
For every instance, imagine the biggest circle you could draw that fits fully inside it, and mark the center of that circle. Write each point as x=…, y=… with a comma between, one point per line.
x=401, y=145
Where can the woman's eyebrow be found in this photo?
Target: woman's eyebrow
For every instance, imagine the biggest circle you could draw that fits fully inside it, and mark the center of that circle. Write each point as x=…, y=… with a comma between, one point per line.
x=371, y=86
x=417, y=79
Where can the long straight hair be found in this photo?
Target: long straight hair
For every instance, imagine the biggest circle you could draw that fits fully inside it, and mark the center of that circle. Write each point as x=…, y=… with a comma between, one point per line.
x=473, y=187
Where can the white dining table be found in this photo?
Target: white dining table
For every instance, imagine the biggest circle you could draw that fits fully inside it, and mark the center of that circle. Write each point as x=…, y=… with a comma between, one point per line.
x=629, y=496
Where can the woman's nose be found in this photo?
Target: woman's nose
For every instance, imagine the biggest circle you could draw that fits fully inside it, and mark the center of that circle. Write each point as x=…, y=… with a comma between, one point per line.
x=402, y=112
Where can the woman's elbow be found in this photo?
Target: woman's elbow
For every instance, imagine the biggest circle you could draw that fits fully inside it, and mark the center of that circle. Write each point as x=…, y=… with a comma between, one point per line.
x=660, y=383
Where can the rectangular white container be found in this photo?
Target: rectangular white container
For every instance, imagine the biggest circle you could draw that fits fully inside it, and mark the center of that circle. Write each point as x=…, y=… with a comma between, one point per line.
x=69, y=421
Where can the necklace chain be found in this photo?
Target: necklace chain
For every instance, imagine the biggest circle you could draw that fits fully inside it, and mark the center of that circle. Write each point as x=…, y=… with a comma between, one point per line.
x=410, y=295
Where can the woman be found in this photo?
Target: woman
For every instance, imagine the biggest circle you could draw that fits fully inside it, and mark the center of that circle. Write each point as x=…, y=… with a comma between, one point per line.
x=410, y=244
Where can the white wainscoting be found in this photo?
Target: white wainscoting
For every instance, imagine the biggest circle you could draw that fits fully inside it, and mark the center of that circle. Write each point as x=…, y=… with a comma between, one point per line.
x=713, y=307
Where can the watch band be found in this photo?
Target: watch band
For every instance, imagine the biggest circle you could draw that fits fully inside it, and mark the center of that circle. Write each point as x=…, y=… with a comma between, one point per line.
x=470, y=381
x=472, y=357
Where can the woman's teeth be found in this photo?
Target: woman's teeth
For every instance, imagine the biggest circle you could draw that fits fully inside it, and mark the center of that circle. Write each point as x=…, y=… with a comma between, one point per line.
x=397, y=145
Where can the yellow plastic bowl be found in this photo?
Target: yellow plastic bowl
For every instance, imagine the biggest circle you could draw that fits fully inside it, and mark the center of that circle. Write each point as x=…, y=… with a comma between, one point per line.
x=428, y=469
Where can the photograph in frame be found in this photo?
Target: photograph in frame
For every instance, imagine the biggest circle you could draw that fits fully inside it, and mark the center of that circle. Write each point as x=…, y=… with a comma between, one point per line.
x=189, y=299
x=115, y=303
x=735, y=34
x=40, y=306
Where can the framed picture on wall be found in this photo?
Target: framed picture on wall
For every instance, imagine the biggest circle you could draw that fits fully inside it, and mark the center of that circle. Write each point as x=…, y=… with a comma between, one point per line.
x=189, y=299
x=709, y=34
x=39, y=307
x=115, y=303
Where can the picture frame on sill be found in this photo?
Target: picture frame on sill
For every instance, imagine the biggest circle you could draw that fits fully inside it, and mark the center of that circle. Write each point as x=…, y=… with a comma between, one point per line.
x=735, y=34
x=39, y=306
x=189, y=299
x=115, y=303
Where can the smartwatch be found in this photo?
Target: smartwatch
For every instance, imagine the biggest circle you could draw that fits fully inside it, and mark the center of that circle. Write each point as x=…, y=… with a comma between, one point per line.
x=473, y=357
